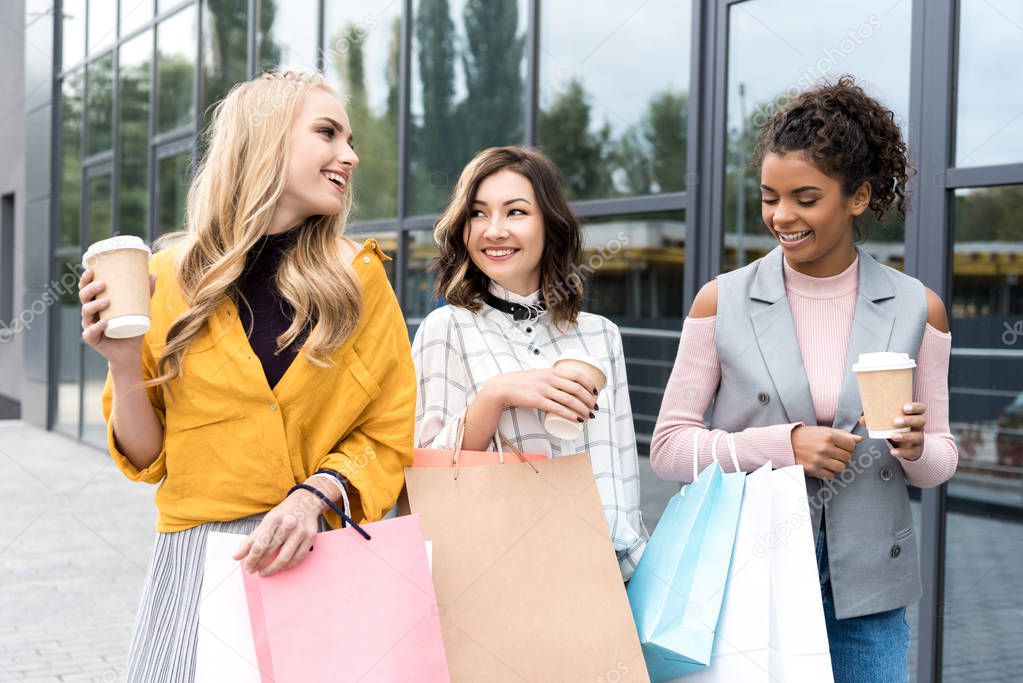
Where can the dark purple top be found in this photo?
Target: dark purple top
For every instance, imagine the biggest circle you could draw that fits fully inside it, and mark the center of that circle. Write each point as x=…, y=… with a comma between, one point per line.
x=271, y=313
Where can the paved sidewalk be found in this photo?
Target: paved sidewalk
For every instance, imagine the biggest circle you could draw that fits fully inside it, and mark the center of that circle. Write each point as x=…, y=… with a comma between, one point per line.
x=75, y=539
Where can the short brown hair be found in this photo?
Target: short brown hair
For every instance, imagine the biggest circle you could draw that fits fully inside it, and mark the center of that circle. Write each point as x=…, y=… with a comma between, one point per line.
x=462, y=284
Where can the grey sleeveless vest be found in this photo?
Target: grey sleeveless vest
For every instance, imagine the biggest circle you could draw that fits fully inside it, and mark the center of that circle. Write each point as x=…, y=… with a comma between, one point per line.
x=872, y=547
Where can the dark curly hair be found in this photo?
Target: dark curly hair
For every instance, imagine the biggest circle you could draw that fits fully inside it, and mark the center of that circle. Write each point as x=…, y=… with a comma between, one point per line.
x=847, y=135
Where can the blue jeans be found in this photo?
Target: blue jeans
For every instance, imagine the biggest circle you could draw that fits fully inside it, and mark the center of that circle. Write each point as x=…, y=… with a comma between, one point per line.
x=867, y=649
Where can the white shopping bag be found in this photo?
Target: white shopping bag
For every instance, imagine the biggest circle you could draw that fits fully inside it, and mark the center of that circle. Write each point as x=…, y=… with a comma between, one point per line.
x=771, y=628
x=225, y=650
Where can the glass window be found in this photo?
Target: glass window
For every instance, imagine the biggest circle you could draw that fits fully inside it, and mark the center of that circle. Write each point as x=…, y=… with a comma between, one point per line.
x=102, y=24
x=468, y=89
x=174, y=173
x=71, y=164
x=807, y=43
x=101, y=75
x=419, y=276
x=985, y=554
x=989, y=124
x=133, y=185
x=73, y=15
x=633, y=267
x=135, y=14
x=287, y=35
x=361, y=48
x=614, y=129
x=98, y=210
x=175, y=70
x=69, y=349
x=225, y=50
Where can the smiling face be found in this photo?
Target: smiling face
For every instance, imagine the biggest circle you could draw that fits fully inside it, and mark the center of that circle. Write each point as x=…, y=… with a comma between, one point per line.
x=321, y=161
x=505, y=232
x=809, y=214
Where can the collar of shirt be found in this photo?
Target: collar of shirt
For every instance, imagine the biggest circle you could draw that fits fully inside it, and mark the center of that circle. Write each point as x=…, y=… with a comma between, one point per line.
x=499, y=291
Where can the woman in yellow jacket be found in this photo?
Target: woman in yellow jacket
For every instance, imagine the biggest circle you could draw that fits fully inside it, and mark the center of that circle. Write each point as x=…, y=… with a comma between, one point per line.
x=277, y=356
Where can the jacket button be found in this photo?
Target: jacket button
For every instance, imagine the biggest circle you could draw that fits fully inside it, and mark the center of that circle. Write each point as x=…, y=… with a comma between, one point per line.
x=365, y=259
x=536, y=352
x=886, y=474
x=529, y=330
x=763, y=398
x=896, y=550
x=273, y=406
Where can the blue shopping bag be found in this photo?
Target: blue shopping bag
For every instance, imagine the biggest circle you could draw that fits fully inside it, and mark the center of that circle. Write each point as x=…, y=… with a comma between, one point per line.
x=677, y=588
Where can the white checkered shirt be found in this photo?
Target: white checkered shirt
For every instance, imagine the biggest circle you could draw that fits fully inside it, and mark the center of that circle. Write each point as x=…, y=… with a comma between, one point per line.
x=457, y=351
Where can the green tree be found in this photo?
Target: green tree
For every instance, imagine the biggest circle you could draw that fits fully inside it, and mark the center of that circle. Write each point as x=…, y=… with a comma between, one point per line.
x=665, y=130
x=582, y=155
x=225, y=51
x=493, y=78
x=436, y=167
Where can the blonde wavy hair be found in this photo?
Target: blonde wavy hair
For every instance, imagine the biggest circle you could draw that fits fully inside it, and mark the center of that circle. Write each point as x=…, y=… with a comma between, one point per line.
x=230, y=204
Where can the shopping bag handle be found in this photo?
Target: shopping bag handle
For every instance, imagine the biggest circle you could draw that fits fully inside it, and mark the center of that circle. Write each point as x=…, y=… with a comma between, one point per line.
x=345, y=519
x=499, y=439
x=729, y=439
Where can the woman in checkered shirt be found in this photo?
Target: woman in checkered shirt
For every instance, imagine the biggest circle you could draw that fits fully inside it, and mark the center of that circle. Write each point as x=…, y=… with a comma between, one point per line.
x=509, y=272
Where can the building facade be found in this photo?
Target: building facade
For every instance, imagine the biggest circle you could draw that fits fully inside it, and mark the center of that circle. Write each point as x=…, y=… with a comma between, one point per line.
x=649, y=108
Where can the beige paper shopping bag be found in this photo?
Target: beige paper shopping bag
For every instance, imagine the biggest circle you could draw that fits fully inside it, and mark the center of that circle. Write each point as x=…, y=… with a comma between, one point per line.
x=527, y=583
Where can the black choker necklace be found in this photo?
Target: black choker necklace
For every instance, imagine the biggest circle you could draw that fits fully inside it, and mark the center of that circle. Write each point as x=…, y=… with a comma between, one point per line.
x=517, y=311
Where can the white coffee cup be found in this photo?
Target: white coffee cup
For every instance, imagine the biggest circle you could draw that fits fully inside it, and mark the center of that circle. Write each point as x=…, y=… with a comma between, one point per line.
x=122, y=262
x=885, y=379
x=559, y=426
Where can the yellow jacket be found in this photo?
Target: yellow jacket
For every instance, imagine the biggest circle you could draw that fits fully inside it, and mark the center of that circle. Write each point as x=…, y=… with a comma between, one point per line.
x=233, y=446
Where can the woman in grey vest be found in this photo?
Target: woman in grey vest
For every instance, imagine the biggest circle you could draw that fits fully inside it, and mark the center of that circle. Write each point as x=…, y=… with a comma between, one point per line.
x=771, y=346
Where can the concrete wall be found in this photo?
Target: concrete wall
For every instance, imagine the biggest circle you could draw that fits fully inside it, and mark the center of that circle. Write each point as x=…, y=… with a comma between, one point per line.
x=13, y=28
x=36, y=53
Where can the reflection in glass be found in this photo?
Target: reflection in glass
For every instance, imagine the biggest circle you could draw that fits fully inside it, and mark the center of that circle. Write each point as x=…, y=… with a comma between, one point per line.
x=102, y=24
x=69, y=348
x=134, y=15
x=986, y=415
x=287, y=35
x=989, y=99
x=225, y=50
x=133, y=101
x=807, y=43
x=175, y=70
x=174, y=173
x=73, y=32
x=101, y=74
x=361, y=50
x=98, y=210
x=94, y=429
x=419, y=275
x=468, y=75
x=71, y=164
x=633, y=268
x=611, y=128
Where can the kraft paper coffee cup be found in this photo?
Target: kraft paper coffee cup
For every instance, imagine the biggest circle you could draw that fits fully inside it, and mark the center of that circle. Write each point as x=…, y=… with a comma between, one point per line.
x=886, y=384
x=592, y=369
x=122, y=262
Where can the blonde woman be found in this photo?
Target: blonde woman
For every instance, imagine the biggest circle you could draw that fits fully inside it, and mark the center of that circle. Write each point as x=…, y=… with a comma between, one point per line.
x=277, y=357
x=509, y=272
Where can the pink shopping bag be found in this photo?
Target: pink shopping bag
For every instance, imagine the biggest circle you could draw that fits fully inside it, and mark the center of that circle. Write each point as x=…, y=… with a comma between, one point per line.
x=352, y=610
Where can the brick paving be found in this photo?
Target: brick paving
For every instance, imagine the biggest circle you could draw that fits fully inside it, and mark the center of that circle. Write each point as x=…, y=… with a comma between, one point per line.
x=75, y=539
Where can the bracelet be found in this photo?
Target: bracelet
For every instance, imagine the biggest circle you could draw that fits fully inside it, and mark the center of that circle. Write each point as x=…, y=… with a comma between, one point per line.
x=344, y=518
x=340, y=487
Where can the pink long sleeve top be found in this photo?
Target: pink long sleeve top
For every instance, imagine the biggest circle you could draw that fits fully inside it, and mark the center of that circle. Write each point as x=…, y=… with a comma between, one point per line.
x=822, y=311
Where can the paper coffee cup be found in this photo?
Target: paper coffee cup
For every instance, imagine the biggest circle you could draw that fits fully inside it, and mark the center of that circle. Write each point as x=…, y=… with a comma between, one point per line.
x=886, y=384
x=591, y=368
x=122, y=262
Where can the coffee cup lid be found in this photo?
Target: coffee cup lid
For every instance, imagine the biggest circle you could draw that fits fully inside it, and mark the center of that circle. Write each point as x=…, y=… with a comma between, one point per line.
x=112, y=243
x=883, y=360
x=582, y=357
